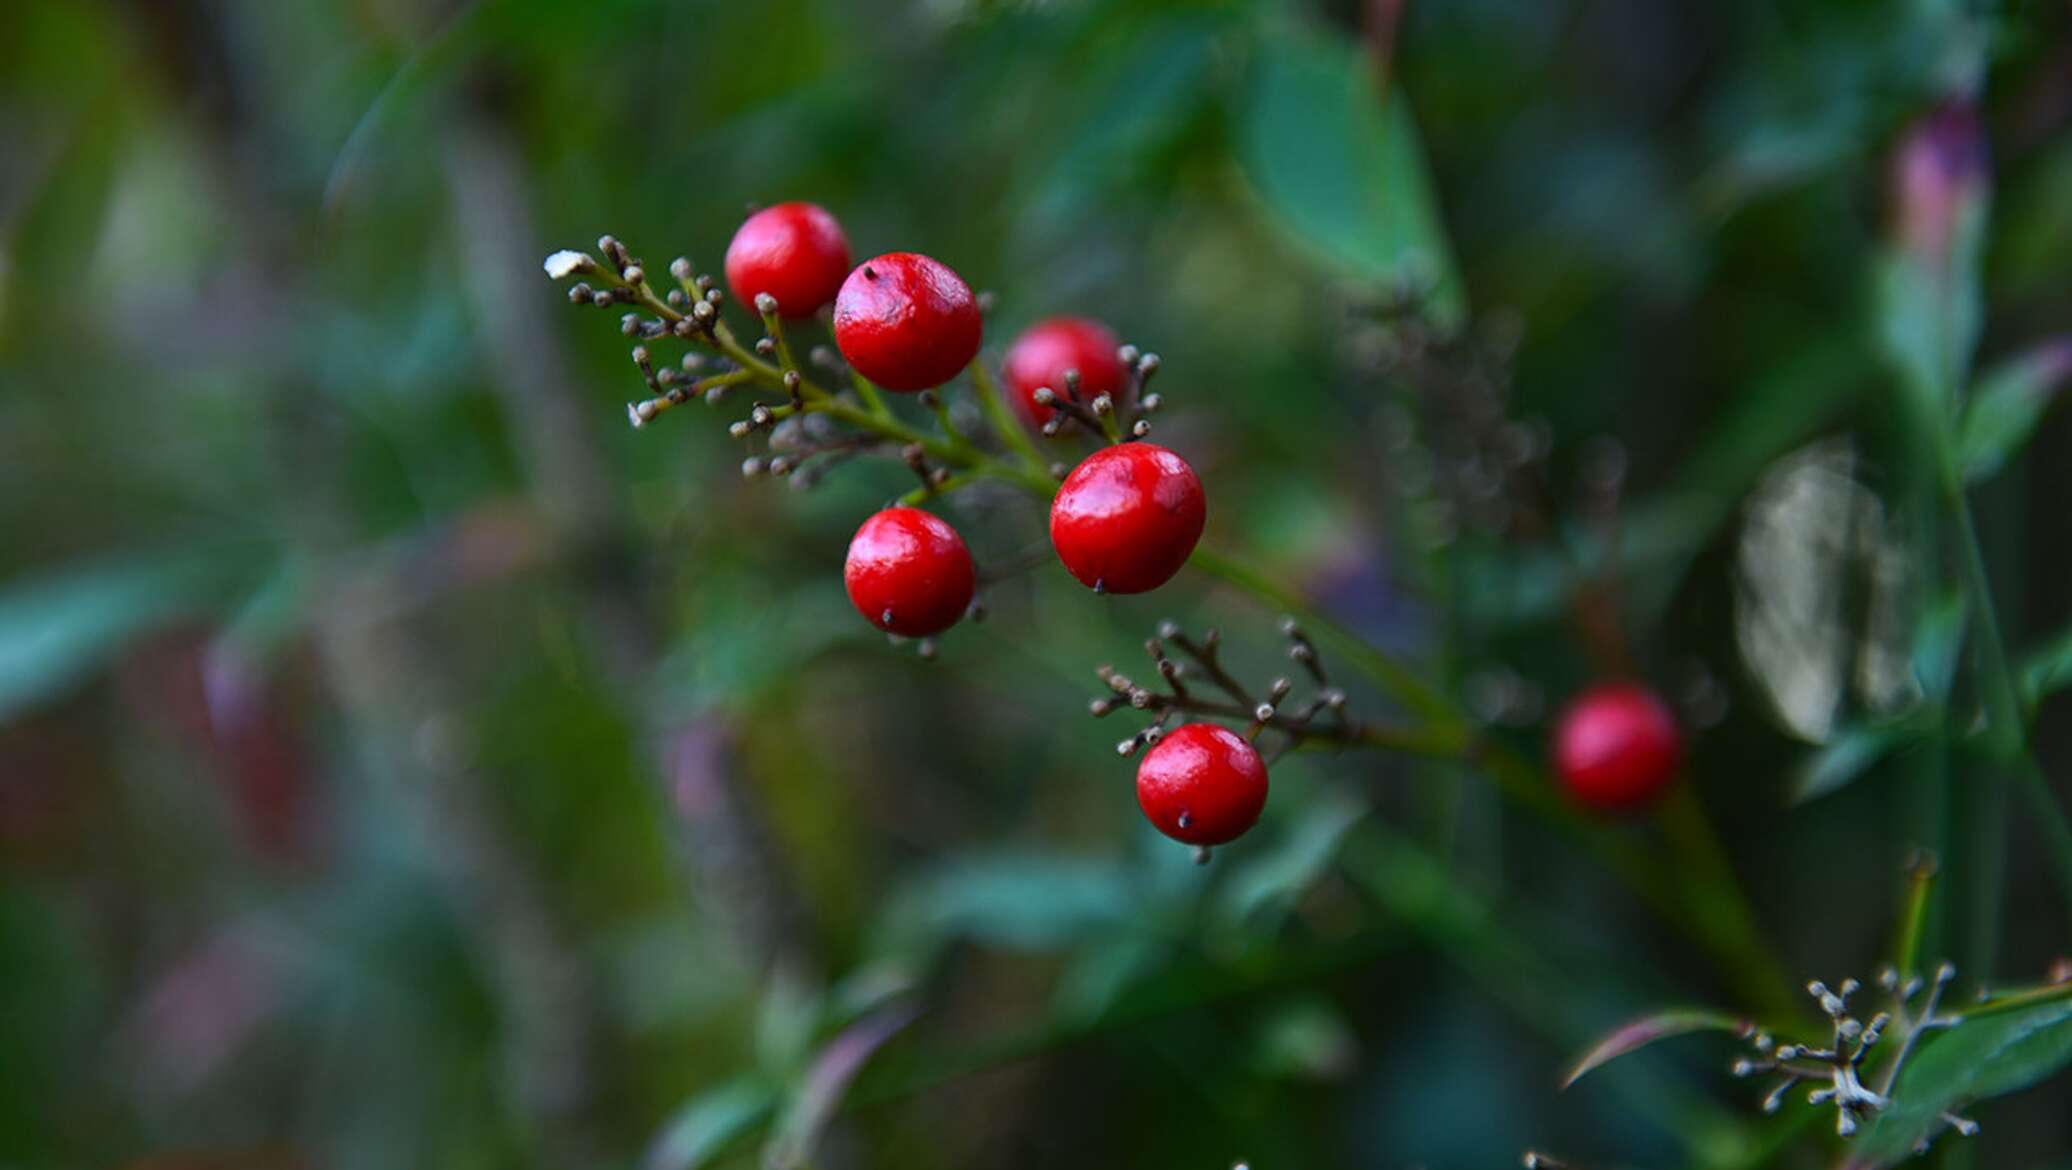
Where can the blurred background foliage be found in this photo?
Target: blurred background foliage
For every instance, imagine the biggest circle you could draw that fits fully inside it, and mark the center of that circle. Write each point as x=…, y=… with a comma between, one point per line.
x=404, y=763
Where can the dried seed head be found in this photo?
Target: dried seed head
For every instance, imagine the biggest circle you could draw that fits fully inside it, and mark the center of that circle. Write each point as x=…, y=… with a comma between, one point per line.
x=765, y=346
x=1151, y=403
x=680, y=268
x=1044, y=396
x=634, y=274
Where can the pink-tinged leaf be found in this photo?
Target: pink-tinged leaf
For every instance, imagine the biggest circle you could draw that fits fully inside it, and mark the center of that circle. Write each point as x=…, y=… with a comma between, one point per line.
x=815, y=1100
x=1637, y=1034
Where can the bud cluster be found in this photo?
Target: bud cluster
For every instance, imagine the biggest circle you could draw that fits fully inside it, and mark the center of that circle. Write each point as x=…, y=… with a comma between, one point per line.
x=1178, y=658
x=1839, y=1065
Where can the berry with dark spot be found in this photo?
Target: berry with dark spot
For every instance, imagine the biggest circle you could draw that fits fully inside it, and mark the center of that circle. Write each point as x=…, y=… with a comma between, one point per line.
x=909, y=573
x=1202, y=784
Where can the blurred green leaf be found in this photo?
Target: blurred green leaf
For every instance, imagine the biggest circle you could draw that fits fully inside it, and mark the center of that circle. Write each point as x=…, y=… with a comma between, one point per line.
x=2004, y=408
x=1983, y=1058
x=2047, y=669
x=1939, y=644
x=57, y=629
x=1849, y=754
x=788, y=1015
x=708, y=1123
x=1338, y=163
x=1027, y=902
x=1637, y=1034
x=1305, y=1039
x=1101, y=974
x=836, y=1066
x=1277, y=877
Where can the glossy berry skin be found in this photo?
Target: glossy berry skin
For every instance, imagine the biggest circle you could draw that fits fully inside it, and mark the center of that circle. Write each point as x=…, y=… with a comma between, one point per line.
x=909, y=573
x=1045, y=350
x=1617, y=747
x=1202, y=784
x=907, y=322
x=796, y=252
x=1127, y=517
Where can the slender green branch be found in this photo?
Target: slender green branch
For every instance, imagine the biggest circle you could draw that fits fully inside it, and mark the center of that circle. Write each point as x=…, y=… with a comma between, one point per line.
x=2007, y=728
x=1009, y=427
x=867, y=393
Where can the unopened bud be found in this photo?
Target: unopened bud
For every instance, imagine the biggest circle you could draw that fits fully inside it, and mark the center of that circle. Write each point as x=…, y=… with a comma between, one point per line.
x=766, y=304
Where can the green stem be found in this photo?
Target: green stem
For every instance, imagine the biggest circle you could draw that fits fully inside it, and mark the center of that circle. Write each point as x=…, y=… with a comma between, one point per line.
x=867, y=392
x=1717, y=898
x=1009, y=427
x=2007, y=729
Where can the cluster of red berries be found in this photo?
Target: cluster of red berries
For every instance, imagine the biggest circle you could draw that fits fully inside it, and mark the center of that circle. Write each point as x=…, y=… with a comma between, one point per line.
x=1123, y=520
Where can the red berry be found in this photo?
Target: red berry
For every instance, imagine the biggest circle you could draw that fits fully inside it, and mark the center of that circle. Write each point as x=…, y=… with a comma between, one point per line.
x=1616, y=747
x=909, y=573
x=796, y=252
x=907, y=322
x=1127, y=517
x=1045, y=350
x=1202, y=784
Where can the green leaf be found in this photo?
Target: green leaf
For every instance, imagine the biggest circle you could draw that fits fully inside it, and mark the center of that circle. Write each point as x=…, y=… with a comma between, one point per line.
x=1279, y=876
x=708, y=1123
x=2006, y=405
x=1027, y=903
x=1305, y=1039
x=1985, y=1057
x=825, y=1083
x=1939, y=643
x=1338, y=164
x=57, y=629
x=1637, y=1034
x=1842, y=759
x=2047, y=669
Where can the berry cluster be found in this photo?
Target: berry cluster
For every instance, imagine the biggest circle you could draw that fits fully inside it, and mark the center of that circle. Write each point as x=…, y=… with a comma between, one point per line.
x=1124, y=519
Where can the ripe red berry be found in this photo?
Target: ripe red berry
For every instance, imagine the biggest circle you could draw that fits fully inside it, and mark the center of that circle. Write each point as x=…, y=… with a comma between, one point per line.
x=907, y=322
x=1202, y=784
x=796, y=252
x=1616, y=747
x=1127, y=517
x=1045, y=350
x=909, y=573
